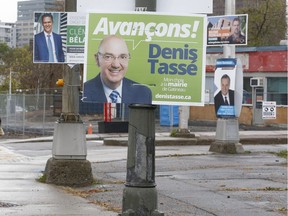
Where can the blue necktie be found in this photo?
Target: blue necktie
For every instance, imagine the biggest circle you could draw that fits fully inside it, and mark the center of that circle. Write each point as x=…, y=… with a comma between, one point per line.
x=114, y=95
x=50, y=49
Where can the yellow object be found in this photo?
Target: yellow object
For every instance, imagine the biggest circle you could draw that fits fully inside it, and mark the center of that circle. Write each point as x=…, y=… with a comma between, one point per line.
x=60, y=82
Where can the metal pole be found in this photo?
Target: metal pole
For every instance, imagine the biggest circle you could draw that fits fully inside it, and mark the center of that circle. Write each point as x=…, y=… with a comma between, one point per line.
x=8, y=105
x=70, y=93
x=10, y=83
x=44, y=113
x=70, y=5
x=23, y=114
x=227, y=130
x=229, y=50
x=146, y=5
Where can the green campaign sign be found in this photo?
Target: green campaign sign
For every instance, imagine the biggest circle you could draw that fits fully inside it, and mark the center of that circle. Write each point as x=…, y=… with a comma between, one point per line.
x=75, y=35
x=167, y=52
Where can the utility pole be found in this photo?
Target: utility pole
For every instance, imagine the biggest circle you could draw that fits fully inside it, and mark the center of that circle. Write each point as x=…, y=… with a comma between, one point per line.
x=227, y=130
x=229, y=50
x=183, y=111
x=68, y=165
x=70, y=94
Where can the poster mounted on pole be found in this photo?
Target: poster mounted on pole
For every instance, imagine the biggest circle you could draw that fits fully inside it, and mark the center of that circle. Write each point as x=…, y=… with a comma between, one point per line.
x=165, y=53
x=228, y=29
x=59, y=37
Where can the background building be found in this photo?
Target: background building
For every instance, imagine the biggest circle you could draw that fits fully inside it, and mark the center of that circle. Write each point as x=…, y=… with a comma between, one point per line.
x=8, y=34
x=219, y=5
x=25, y=14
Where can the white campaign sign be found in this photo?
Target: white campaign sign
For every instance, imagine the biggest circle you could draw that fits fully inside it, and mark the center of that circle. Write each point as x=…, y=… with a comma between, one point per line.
x=269, y=110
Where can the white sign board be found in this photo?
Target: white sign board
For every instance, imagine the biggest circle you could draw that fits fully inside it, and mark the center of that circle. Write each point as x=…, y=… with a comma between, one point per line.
x=105, y=5
x=268, y=109
x=185, y=6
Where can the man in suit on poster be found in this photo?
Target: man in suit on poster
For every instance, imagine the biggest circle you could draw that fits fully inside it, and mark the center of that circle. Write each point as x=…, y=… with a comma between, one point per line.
x=236, y=36
x=225, y=96
x=47, y=44
x=111, y=85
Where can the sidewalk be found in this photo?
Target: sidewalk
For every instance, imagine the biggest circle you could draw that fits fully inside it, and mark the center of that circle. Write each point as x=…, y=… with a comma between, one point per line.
x=164, y=138
x=21, y=194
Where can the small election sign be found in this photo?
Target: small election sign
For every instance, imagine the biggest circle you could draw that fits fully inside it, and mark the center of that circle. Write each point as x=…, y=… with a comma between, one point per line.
x=269, y=110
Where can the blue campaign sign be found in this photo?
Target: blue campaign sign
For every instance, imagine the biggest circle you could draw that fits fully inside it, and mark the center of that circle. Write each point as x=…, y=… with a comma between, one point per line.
x=226, y=111
x=226, y=62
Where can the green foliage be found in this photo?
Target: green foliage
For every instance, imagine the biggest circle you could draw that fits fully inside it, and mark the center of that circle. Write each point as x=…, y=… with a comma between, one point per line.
x=266, y=22
x=26, y=74
x=283, y=154
x=173, y=133
x=4, y=49
x=42, y=178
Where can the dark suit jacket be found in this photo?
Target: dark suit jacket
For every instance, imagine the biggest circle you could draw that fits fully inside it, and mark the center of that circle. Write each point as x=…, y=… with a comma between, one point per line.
x=41, y=53
x=218, y=100
x=132, y=92
x=240, y=40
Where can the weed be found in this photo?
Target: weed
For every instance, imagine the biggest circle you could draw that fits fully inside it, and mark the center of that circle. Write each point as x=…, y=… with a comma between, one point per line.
x=283, y=154
x=42, y=178
x=173, y=133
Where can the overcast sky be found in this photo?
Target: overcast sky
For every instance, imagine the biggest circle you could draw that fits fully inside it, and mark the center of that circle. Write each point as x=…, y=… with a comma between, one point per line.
x=8, y=10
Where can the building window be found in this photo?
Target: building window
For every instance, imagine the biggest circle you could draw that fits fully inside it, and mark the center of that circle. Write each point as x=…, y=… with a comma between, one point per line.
x=247, y=91
x=277, y=90
x=209, y=90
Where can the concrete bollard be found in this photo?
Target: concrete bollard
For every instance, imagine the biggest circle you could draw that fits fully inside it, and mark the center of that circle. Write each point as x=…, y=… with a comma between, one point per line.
x=227, y=137
x=1, y=130
x=140, y=194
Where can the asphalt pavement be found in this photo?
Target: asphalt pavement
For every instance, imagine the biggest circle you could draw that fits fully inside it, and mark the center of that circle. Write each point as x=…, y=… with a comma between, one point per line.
x=190, y=179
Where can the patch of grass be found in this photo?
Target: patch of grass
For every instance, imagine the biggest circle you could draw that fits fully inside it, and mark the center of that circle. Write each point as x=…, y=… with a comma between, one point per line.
x=282, y=154
x=255, y=189
x=42, y=178
x=282, y=210
x=272, y=189
x=97, y=182
x=173, y=133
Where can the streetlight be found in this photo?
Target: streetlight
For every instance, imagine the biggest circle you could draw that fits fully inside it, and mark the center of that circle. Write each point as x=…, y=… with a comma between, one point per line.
x=10, y=92
x=10, y=82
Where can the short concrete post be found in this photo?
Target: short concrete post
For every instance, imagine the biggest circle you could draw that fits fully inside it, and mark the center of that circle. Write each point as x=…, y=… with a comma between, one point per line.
x=140, y=194
x=227, y=137
x=69, y=166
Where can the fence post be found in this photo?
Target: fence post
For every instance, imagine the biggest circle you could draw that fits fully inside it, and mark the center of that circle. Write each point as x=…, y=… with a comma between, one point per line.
x=23, y=114
x=44, y=113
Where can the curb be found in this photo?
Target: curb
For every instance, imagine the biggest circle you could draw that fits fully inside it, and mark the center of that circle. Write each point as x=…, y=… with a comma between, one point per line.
x=170, y=141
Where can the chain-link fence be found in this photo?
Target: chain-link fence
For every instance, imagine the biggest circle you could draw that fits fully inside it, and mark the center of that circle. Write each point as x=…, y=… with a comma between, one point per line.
x=34, y=114
x=37, y=113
